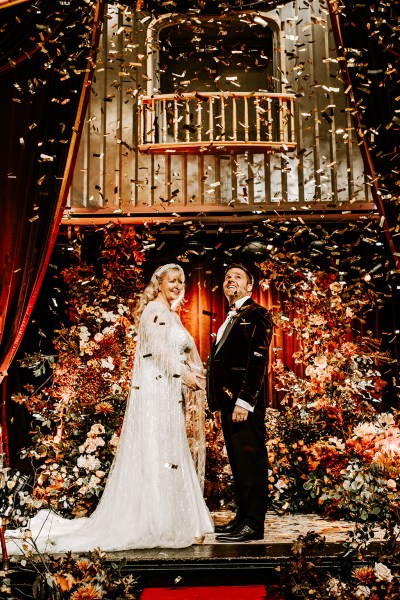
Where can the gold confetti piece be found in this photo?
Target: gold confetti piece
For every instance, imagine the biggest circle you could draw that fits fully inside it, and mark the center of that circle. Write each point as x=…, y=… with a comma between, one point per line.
x=35, y=218
x=260, y=21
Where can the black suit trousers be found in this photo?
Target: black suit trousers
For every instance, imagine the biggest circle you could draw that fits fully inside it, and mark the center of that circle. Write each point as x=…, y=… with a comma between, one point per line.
x=247, y=453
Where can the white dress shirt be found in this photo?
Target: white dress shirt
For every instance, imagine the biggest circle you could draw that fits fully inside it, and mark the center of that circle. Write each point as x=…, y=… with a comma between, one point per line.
x=220, y=332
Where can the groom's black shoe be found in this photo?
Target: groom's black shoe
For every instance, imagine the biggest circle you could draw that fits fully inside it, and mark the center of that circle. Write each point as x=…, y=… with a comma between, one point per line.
x=230, y=526
x=243, y=533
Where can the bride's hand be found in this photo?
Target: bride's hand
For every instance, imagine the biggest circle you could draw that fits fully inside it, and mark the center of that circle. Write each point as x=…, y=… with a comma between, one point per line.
x=194, y=381
x=201, y=381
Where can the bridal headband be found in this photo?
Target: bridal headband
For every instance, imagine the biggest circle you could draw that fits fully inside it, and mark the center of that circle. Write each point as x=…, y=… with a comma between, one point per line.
x=164, y=268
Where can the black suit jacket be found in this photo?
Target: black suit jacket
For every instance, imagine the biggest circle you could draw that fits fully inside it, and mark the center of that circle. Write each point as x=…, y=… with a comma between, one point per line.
x=237, y=366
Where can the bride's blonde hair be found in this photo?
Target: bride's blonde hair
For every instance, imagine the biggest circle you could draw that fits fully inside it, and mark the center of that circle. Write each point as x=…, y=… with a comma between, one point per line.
x=152, y=289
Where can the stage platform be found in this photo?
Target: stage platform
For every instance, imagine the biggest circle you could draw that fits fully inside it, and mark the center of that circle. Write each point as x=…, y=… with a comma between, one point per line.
x=214, y=563
x=242, y=563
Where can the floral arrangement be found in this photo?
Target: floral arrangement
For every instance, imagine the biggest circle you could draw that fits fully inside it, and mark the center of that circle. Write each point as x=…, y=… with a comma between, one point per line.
x=77, y=417
x=352, y=577
x=332, y=450
x=218, y=488
x=89, y=577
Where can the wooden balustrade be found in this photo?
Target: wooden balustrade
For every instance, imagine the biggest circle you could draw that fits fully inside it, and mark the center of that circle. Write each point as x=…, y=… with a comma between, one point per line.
x=216, y=121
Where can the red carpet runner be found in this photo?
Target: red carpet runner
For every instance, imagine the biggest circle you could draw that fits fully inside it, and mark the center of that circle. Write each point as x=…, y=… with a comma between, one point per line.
x=236, y=592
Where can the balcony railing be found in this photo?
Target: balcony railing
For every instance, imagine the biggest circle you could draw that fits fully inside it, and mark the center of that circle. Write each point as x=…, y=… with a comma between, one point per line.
x=216, y=122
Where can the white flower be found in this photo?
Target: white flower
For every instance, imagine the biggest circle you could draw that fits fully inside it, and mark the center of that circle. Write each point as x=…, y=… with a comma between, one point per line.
x=93, y=482
x=340, y=445
x=108, y=330
x=114, y=441
x=320, y=361
x=109, y=316
x=364, y=429
x=116, y=388
x=386, y=420
x=122, y=309
x=382, y=572
x=98, y=337
x=389, y=447
x=97, y=429
x=84, y=333
x=91, y=445
x=81, y=462
x=349, y=312
x=362, y=591
x=88, y=462
x=310, y=371
x=108, y=363
x=130, y=332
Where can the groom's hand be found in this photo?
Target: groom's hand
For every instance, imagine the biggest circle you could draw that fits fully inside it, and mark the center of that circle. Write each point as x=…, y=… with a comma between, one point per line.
x=239, y=414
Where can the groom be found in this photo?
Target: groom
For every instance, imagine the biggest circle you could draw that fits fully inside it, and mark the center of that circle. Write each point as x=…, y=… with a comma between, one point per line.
x=236, y=382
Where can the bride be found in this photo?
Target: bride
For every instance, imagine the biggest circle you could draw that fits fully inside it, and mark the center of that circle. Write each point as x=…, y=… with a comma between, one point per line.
x=153, y=495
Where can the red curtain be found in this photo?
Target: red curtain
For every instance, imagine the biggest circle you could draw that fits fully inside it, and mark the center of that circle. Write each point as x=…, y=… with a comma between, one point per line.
x=46, y=57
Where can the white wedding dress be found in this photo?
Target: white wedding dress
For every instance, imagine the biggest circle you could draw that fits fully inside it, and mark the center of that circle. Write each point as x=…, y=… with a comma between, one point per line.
x=153, y=496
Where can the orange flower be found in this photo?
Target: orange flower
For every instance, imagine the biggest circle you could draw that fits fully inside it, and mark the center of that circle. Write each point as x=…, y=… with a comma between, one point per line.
x=331, y=346
x=364, y=574
x=64, y=582
x=82, y=564
x=86, y=592
x=105, y=408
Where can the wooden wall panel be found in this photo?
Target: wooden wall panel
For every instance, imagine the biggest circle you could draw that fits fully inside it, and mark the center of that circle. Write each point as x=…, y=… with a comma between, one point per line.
x=111, y=174
x=77, y=193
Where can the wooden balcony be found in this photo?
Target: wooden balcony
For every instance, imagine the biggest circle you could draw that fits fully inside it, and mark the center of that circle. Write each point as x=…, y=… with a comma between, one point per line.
x=217, y=122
